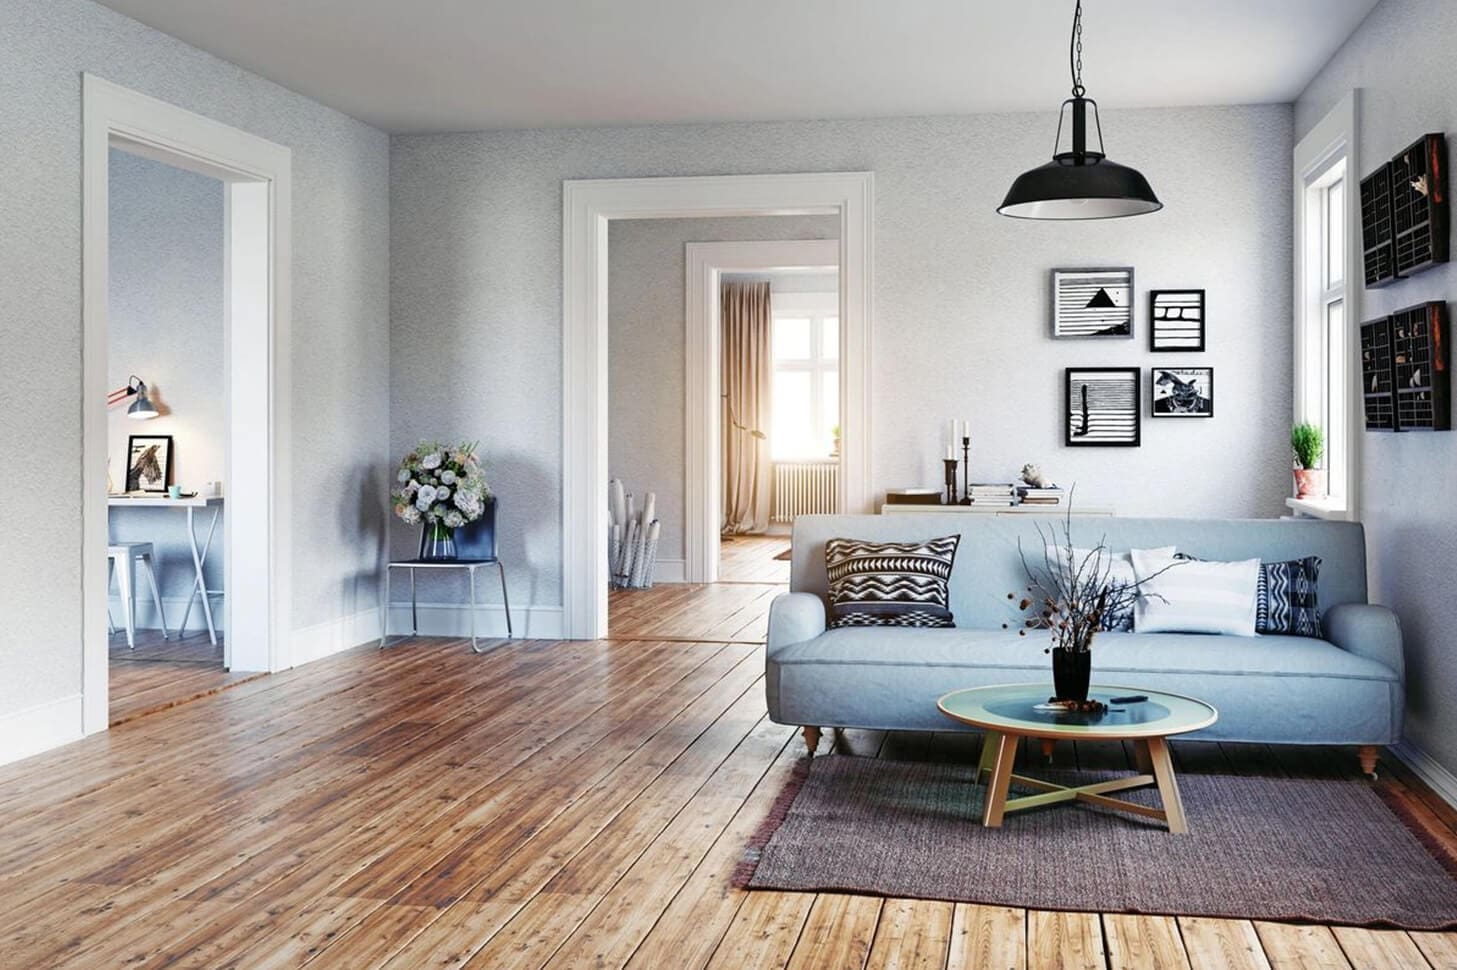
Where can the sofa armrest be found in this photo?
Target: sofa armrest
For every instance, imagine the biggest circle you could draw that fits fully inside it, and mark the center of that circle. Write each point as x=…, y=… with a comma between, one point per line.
x=1367, y=631
x=794, y=618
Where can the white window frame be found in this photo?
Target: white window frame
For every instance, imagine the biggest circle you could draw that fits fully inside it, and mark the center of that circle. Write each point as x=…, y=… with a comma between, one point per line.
x=815, y=307
x=1326, y=394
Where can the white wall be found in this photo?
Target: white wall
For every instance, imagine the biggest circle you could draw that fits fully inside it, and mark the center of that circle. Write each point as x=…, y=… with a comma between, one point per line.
x=166, y=321
x=340, y=321
x=647, y=378
x=961, y=314
x=1401, y=59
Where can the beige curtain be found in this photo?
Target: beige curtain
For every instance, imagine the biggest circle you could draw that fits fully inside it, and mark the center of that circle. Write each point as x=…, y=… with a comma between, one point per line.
x=747, y=375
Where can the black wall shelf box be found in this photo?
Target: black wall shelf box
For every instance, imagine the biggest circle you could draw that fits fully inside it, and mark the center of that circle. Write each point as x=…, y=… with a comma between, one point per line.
x=1377, y=376
x=1419, y=214
x=1378, y=244
x=1406, y=377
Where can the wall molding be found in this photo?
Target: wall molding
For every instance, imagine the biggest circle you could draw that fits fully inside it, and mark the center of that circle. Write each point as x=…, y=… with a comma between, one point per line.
x=588, y=206
x=325, y=639
x=38, y=728
x=703, y=447
x=453, y=620
x=174, y=606
x=670, y=571
x=1428, y=769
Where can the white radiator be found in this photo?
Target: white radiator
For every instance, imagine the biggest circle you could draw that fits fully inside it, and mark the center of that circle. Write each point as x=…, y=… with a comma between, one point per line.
x=805, y=488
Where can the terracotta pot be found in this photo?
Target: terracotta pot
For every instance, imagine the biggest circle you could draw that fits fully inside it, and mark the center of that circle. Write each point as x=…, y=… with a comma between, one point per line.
x=1309, y=482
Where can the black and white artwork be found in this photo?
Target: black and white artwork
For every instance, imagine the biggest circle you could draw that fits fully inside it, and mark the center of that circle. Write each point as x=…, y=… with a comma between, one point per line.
x=1176, y=320
x=1092, y=302
x=148, y=462
x=1102, y=407
x=1183, y=392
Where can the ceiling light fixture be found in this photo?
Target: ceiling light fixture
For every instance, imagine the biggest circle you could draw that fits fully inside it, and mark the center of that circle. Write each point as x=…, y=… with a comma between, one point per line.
x=1079, y=184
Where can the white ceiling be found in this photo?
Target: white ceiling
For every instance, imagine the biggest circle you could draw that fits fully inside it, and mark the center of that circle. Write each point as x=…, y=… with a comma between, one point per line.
x=459, y=65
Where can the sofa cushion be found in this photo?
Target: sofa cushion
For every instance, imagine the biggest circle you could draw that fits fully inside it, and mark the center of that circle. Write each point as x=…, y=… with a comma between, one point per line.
x=1287, y=598
x=890, y=584
x=1117, y=657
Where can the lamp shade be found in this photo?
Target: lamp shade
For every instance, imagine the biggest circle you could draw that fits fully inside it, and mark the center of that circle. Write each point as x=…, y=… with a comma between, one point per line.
x=142, y=408
x=1069, y=187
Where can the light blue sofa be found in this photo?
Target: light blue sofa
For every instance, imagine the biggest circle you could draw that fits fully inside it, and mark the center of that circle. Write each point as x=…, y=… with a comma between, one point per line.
x=1344, y=689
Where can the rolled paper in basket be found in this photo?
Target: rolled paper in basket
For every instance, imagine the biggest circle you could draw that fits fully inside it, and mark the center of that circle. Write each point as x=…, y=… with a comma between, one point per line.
x=649, y=505
x=631, y=507
x=629, y=546
x=617, y=501
x=652, y=554
x=614, y=547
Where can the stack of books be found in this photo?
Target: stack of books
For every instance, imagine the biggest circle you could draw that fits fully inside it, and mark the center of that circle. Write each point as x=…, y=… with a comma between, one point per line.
x=1051, y=495
x=990, y=494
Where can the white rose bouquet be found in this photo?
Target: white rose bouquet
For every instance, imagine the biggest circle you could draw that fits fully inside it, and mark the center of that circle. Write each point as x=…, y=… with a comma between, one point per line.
x=441, y=486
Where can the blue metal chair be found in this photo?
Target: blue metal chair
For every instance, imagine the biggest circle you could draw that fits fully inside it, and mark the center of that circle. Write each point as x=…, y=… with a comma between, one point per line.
x=475, y=548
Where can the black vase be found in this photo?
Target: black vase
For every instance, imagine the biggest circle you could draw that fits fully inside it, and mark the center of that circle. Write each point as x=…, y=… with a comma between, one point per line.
x=1071, y=671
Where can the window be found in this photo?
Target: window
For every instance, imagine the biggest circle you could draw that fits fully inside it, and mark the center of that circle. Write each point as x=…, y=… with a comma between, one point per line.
x=806, y=404
x=1325, y=371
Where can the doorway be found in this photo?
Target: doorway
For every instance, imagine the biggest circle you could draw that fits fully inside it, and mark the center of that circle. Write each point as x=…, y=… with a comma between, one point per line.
x=256, y=206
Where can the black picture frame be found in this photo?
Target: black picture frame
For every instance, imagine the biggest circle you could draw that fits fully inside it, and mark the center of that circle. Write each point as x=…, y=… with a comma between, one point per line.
x=1074, y=293
x=1119, y=425
x=1170, y=315
x=140, y=457
x=1166, y=393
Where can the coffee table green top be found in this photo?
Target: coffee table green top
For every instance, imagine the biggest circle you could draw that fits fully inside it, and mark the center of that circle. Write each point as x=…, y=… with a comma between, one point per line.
x=1010, y=709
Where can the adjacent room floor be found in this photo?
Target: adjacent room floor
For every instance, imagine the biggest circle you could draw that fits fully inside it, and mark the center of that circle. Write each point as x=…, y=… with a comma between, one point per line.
x=157, y=674
x=576, y=804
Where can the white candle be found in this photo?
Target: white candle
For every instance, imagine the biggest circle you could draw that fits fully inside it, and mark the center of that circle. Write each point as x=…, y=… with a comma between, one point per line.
x=950, y=453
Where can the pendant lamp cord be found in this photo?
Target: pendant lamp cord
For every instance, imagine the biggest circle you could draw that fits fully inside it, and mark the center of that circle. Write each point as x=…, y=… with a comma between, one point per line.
x=1075, y=51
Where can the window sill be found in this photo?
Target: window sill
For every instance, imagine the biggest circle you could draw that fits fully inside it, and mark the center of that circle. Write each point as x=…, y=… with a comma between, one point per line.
x=1318, y=509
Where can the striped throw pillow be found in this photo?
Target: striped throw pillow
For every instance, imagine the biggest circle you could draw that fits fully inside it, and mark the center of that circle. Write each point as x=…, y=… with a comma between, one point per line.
x=1191, y=596
x=890, y=583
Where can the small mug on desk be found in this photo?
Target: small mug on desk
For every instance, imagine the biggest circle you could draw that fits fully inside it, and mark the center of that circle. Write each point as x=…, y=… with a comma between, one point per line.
x=174, y=491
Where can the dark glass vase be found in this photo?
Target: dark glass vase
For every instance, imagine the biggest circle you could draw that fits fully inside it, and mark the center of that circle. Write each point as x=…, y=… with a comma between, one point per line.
x=1071, y=672
x=437, y=542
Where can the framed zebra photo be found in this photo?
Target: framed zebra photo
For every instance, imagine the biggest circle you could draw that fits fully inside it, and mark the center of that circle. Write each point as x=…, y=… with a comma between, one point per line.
x=1183, y=392
x=1176, y=320
x=1101, y=407
x=1091, y=303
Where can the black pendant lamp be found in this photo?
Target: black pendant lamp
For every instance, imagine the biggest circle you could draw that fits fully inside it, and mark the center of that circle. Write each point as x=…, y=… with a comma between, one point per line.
x=1079, y=184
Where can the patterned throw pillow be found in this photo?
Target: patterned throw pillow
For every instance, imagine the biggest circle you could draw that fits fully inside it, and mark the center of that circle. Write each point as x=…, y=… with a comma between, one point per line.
x=890, y=583
x=1286, y=599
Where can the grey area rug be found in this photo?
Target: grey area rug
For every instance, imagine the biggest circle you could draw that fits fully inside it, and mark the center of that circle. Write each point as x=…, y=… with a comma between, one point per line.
x=1314, y=850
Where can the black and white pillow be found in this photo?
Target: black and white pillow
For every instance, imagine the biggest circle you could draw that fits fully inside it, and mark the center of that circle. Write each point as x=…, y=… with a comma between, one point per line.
x=890, y=583
x=1286, y=598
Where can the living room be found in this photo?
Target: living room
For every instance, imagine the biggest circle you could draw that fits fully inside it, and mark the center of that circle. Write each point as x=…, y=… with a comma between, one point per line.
x=1098, y=662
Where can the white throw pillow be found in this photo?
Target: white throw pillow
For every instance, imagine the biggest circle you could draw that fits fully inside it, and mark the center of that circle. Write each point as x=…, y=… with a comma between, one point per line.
x=1191, y=596
x=1120, y=573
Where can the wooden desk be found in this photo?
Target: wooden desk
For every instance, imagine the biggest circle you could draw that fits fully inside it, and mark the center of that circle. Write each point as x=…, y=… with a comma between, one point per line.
x=199, y=552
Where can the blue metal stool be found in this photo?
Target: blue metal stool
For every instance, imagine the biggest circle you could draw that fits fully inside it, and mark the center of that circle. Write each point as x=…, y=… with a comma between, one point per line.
x=475, y=546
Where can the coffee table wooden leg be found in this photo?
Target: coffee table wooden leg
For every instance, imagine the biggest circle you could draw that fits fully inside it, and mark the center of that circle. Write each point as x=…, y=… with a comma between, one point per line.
x=988, y=759
x=1163, y=771
x=1141, y=759
x=995, y=803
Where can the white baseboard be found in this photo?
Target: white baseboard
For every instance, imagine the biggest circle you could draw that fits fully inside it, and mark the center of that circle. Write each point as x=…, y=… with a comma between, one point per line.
x=670, y=571
x=39, y=728
x=1428, y=769
x=332, y=636
x=173, y=606
x=453, y=620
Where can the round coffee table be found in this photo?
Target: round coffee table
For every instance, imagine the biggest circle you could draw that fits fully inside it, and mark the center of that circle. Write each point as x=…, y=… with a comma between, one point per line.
x=1007, y=712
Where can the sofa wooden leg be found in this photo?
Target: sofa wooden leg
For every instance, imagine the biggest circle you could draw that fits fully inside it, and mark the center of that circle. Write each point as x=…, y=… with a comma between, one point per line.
x=812, y=739
x=1047, y=746
x=1369, y=753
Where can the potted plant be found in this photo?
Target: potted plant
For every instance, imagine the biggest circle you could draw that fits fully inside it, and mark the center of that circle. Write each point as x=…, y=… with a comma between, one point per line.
x=440, y=488
x=1307, y=444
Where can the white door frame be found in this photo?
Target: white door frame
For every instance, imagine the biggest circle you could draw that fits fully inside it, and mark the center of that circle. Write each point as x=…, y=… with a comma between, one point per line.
x=703, y=448
x=257, y=261
x=587, y=208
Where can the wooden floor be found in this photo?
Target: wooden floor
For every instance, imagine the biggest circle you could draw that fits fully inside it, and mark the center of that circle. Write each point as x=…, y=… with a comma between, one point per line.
x=750, y=559
x=157, y=674
x=577, y=804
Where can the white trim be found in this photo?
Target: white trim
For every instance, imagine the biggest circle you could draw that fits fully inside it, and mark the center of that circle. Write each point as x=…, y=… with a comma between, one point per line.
x=1336, y=134
x=32, y=730
x=334, y=636
x=175, y=606
x=670, y=571
x=1317, y=509
x=258, y=174
x=587, y=208
x=453, y=620
x=703, y=477
x=1428, y=769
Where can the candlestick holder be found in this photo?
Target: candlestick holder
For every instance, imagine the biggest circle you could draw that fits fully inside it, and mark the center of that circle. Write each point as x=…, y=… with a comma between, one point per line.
x=950, y=464
x=966, y=469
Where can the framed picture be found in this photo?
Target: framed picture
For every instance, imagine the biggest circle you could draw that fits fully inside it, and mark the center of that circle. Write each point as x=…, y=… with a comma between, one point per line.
x=1090, y=303
x=148, y=462
x=1183, y=392
x=1176, y=320
x=1101, y=407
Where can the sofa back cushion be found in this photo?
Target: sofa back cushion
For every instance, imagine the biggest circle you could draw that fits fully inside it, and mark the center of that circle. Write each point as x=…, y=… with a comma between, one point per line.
x=890, y=583
x=988, y=565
